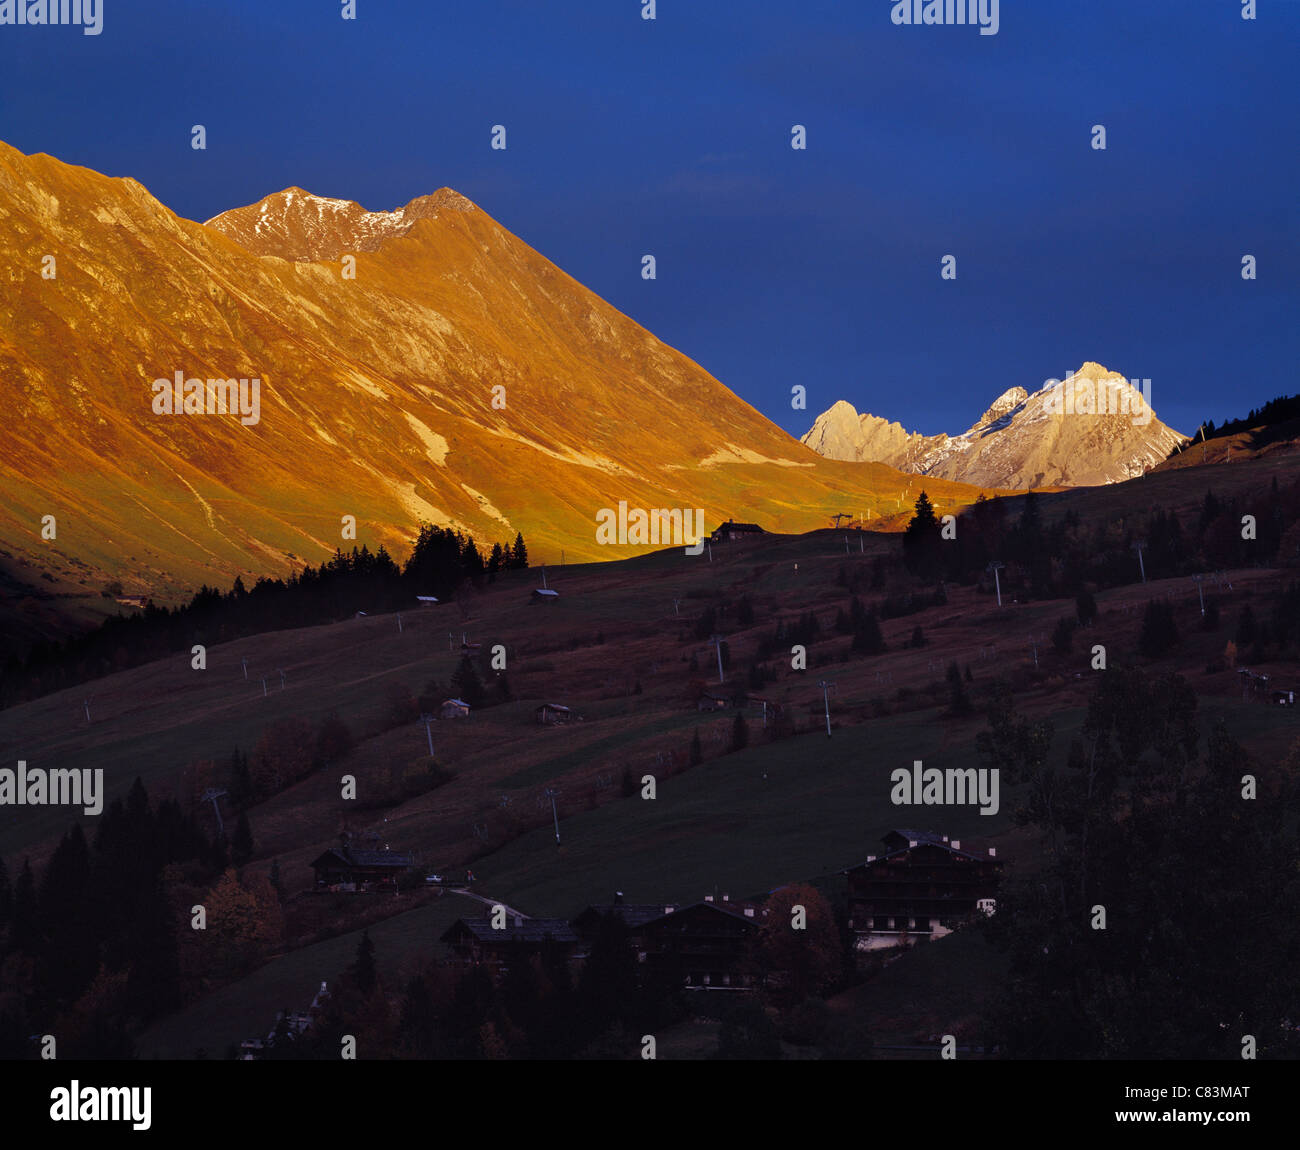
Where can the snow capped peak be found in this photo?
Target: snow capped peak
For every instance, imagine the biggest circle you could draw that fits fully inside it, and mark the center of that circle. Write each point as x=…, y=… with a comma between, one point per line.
x=1092, y=427
x=299, y=225
x=1005, y=404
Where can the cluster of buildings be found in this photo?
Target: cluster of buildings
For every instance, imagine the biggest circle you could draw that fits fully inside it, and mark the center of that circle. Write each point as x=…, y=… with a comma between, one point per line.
x=704, y=945
x=921, y=887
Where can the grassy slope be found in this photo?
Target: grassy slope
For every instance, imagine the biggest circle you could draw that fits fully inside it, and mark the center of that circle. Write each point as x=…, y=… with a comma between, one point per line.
x=823, y=803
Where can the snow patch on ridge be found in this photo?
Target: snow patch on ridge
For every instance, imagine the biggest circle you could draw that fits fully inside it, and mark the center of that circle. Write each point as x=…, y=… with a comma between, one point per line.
x=484, y=503
x=434, y=444
x=730, y=453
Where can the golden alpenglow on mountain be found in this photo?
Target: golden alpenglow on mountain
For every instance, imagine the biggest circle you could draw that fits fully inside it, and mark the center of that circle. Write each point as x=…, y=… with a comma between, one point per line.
x=417, y=365
x=1091, y=427
x=417, y=655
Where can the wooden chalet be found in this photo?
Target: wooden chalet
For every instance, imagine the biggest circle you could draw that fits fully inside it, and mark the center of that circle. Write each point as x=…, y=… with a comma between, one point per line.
x=704, y=946
x=712, y=701
x=633, y=914
x=922, y=887
x=473, y=941
x=354, y=869
x=453, y=709
x=426, y=600
x=731, y=530
x=549, y=714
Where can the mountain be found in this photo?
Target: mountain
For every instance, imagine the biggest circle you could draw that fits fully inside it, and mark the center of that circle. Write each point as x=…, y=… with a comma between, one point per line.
x=459, y=378
x=296, y=225
x=1093, y=427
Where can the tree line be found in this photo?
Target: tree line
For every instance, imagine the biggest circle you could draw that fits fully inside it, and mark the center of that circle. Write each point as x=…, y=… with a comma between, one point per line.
x=1057, y=560
x=1277, y=410
x=92, y=950
x=441, y=562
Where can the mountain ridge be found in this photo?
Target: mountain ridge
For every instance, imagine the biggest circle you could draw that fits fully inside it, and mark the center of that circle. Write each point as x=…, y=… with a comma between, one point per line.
x=377, y=395
x=298, y=225
x=1093, y=427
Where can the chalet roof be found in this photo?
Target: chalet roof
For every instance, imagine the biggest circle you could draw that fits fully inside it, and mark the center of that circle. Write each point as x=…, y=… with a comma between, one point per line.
x=732, y=525
x=554, y=707
x=530, y=930
x=922, y=839
x=546, y=592
x=632, y=914
x=351, y=856
x=913, y=836
x=381, y=858
x=456, y=703
x=711, y=907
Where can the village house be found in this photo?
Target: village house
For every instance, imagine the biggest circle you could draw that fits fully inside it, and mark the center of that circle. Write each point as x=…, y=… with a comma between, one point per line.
x=473, y=941
x=348, y=868
x=633, y=915
x=731, y=530
x=453, y=709
x=922, y=887
x=704, y=946
x=712, y=701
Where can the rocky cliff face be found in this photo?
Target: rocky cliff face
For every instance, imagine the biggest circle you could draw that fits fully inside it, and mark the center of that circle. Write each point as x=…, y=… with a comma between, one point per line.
x=1091, y=428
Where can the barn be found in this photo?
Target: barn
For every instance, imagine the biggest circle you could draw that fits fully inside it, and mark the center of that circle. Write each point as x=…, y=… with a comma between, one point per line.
x=731, y=531
x=549, y=714
x=349, y=868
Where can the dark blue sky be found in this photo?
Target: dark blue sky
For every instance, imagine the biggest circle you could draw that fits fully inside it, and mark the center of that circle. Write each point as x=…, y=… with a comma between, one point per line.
x=775, y=266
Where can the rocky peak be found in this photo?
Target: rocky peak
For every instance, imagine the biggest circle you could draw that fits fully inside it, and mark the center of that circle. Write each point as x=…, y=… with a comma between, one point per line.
x=295, y=224
x=1049, y=438
x=1005, y=403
